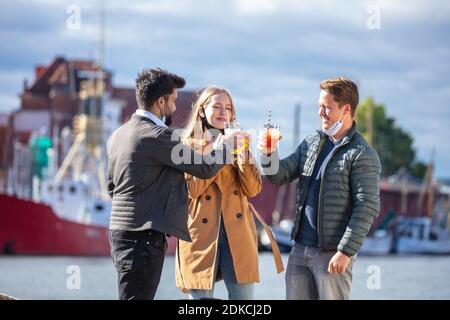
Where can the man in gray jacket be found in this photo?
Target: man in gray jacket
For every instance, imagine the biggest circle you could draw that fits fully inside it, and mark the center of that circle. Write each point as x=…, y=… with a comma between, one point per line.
x=147, y=186
x=338, y=196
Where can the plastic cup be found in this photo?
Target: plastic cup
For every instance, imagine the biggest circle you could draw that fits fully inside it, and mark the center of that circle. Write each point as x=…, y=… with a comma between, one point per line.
x=272, y=130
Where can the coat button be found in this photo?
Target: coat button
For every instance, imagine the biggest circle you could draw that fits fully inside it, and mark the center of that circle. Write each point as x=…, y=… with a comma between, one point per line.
x=208, y=197
x=236, y=192
x=204, y=220
x=239, y=215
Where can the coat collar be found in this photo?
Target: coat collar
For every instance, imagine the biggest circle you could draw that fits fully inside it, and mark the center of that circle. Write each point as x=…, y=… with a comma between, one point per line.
x=138, y=117
x=152, y=117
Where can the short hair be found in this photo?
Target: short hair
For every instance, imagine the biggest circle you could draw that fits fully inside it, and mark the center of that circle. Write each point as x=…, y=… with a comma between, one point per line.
x=151, y=84
x=344, y=91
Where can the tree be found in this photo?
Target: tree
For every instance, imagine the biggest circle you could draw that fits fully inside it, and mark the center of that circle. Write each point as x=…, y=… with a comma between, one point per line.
x=394, y=146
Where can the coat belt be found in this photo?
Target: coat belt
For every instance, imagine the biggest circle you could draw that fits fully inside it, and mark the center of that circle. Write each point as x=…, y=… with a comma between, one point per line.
x=275, y=250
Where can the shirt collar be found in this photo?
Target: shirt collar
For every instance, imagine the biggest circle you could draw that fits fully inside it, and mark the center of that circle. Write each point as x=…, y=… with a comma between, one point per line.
x=335, y=142
x=151, y=116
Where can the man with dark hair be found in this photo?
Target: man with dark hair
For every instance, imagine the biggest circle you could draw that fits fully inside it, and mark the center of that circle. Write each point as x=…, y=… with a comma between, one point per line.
x=338, y=196
x=147, y=186
x=153, y=84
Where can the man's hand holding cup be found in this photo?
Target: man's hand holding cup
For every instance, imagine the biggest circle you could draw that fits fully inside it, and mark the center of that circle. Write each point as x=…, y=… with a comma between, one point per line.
x=268, y=139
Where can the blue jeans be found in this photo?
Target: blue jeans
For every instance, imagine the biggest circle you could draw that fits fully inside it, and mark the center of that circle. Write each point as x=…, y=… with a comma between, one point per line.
x=224, y=259
x=307, y=277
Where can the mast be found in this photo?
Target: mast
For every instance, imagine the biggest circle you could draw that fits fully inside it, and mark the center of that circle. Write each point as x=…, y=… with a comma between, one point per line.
x=427, y=187
x=86, y=153
x=101, y=35
x=292, y=187
x=430, y=202
x=404, y=192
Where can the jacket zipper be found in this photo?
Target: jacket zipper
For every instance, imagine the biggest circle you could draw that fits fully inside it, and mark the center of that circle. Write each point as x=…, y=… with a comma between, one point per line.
x=319, y=209
x=302, y=201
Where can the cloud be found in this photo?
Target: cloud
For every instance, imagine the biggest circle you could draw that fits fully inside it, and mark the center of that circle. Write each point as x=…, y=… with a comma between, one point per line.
x=270, y=53
x=255, y=7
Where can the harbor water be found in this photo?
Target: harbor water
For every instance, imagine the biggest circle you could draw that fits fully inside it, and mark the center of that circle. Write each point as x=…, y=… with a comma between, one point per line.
x=386, y=277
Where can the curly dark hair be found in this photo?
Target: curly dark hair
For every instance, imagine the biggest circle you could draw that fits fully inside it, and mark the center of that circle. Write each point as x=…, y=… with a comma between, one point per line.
x=151, y=84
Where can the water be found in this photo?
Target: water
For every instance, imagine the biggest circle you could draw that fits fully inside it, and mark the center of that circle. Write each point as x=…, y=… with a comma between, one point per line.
x=400, y=277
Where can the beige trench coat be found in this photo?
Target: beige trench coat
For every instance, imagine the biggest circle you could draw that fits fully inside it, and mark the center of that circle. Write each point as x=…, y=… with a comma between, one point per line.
x=225, y=193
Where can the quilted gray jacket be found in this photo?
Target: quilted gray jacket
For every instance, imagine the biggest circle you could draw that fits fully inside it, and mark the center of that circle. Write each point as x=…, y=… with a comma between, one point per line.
x=349, y=196
x=147, y=187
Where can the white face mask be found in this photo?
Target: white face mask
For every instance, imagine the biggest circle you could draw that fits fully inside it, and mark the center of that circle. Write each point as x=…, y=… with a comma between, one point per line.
x=335, y=127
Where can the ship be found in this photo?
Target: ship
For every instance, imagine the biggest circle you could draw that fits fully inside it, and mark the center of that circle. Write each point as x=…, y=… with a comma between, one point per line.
x=53, y=197
x=429, y=233
x=60, y=209
x=29, y=227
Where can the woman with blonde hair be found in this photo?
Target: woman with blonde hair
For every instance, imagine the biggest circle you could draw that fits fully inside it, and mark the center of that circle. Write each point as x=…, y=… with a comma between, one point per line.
x=224, y=243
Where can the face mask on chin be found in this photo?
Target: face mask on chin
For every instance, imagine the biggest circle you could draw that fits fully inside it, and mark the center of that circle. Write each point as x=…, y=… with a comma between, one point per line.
x=334, y=129
x=207, y=126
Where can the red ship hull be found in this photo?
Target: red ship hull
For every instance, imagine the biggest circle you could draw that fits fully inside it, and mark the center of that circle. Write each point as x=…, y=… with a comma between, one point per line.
x=27, y=227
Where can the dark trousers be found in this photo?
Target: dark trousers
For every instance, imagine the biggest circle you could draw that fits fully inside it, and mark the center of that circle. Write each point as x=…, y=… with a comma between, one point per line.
x=138, y=257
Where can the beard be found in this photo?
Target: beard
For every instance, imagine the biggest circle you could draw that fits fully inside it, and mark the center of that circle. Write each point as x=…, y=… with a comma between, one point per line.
x=168, y=121
x=168, y=118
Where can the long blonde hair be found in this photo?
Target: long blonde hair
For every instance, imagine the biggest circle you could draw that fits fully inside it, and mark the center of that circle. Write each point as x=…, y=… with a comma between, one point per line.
x=193, y=131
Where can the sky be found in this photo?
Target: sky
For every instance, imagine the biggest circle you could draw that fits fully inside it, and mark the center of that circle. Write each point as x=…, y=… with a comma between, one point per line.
x=271, y=54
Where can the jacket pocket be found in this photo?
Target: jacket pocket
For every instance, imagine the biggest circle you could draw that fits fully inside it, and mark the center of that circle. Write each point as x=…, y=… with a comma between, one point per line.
x=148, y=253
x=131, y=255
